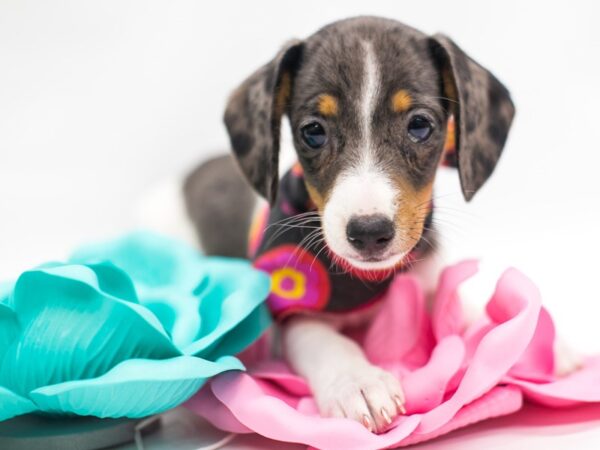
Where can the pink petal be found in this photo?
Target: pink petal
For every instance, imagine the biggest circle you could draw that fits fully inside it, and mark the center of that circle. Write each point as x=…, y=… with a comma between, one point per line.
x=447, y=318
x=516, y=304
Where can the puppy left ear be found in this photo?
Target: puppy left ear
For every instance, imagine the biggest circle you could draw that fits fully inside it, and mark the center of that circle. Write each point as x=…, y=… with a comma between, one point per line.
x=253, y=118
x=482, y=108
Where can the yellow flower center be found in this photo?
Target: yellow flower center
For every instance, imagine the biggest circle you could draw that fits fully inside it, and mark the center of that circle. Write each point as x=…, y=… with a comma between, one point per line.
x=297, y=281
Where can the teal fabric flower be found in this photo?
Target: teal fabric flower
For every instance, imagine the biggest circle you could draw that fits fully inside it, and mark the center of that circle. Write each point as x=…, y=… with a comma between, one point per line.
x=128, y=328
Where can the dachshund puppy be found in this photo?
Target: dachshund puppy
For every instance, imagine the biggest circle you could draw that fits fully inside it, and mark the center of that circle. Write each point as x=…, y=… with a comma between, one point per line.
x=369, y=101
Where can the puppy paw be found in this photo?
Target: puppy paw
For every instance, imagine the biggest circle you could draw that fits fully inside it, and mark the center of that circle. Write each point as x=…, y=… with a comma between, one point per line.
x=366, y=394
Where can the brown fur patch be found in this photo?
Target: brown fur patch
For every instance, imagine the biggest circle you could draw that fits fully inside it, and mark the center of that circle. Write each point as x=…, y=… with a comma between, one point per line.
x=450, y=87
x=328, y=105
x=283, y=94
x=317, y=198
x=401, y=101
x=413, y=208
x=450, y=142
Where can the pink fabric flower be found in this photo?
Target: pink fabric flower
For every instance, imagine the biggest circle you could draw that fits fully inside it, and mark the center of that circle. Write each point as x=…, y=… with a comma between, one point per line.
x=453, y=375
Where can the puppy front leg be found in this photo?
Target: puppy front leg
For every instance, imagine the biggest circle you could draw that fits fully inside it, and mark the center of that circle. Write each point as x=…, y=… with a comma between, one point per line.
x=343, y=382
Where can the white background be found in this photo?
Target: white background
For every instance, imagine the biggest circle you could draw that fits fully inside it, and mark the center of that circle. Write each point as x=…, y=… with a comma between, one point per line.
x=101, y=100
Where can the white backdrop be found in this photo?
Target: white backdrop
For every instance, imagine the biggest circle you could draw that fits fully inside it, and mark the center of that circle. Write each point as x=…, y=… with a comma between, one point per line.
x=101, y=100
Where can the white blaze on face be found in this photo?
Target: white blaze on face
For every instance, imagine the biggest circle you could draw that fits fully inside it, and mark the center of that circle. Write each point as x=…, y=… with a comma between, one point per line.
x=362, y=189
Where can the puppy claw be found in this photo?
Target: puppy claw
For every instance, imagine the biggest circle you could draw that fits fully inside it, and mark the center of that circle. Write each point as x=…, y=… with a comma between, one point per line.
x=366, y=421
x=386, y=416
x=399, y=405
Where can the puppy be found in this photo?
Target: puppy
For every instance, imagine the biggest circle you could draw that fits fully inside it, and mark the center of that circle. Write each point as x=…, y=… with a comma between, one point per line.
x=369, y=101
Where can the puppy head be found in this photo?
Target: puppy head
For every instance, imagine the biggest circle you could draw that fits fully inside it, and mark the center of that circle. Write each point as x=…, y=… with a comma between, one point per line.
x=368, y=100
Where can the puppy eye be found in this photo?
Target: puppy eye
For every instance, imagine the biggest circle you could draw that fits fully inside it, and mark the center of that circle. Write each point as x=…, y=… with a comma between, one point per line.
x=313, y=134
x=419, y=129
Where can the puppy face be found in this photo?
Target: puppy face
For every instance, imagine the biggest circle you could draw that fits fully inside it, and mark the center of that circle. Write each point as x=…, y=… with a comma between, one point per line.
x=368, y=100
x=369, y=127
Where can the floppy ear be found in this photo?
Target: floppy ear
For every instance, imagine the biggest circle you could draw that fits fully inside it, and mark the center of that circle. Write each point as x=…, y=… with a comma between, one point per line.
x=482, y=109
x=253, y=119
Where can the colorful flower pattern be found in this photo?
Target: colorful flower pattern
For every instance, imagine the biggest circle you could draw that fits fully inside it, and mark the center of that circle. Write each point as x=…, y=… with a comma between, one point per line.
x=299, y=281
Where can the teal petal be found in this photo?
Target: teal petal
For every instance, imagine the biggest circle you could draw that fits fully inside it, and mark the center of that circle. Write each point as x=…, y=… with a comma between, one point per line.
x=165, y=273
x=177, y=311
x=6, y=288
x=9, y=329
x=150, y=259
x=233, y=292
x=240, y=337
x=134, y=388
x=76, y=328
x=114, y=281
x=12, y=405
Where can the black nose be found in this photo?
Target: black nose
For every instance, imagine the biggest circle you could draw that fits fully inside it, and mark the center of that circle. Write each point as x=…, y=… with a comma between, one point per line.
x=370, y=234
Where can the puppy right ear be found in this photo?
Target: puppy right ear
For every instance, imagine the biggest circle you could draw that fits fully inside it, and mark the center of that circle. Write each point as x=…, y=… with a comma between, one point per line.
x=482, y=109
x=253, y=118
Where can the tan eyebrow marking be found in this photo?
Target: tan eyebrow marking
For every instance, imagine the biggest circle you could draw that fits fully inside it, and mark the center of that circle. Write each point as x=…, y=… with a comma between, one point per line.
x=328, y=105
x=401, y=101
